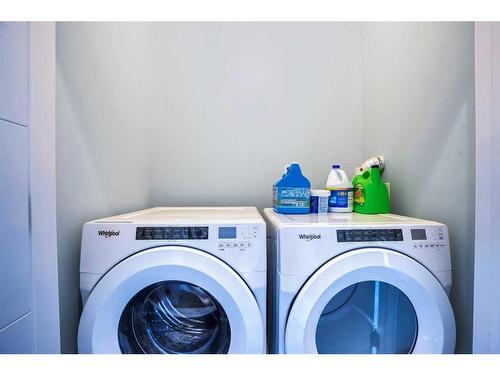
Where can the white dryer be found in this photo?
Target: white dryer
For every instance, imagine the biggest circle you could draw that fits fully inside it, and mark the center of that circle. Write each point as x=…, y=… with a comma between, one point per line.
x=351, y=283
x=174, y=280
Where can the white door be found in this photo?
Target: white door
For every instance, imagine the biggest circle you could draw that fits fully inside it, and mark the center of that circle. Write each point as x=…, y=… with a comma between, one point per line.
x=371, y=301
x=173, y=300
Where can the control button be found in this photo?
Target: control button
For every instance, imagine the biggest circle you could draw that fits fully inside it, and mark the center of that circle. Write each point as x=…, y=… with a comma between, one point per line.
x=248, y=244
x=426, y=245
x=235, y=244
x=241, y=244
x=221, y=245
x=228, y=244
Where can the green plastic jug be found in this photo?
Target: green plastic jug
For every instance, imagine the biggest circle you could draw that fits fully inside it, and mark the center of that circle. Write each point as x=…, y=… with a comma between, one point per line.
x=370, y=193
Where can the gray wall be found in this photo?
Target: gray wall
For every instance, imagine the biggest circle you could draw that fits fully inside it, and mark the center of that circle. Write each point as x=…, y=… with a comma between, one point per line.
x=236, y=101
x=186, y=114
x=419, y=113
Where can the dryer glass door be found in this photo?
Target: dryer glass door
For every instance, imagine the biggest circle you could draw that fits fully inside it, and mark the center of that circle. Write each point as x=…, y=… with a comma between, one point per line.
x=369, y=317
x=371, y=301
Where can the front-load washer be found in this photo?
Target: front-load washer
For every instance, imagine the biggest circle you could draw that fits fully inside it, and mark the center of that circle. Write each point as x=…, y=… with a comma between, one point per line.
x=351, y=283
x=174, y=280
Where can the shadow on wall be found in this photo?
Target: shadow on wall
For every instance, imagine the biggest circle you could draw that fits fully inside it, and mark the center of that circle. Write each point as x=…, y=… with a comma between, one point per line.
x=103, y=154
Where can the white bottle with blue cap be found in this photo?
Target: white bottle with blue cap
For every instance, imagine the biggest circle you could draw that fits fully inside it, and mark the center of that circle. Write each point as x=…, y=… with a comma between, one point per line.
x=341, y=190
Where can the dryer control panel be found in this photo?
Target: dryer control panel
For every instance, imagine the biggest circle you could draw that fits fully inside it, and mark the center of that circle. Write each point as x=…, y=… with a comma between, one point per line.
x=428, y=237
x=417, y=237
x=369, y=235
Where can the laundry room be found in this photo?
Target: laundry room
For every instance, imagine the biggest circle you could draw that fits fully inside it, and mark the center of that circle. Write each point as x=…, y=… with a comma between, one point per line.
x=207, y=114
x=162, y=133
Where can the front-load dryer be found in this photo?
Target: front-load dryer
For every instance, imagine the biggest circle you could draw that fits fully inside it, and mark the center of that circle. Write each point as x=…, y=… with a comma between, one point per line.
x=174, y=280
x=351, y=283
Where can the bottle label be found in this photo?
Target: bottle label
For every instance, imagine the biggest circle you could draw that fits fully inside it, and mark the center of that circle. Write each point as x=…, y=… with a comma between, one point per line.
x=291, y=197
x=341, y=198
x=319, y=205
x=359, y=195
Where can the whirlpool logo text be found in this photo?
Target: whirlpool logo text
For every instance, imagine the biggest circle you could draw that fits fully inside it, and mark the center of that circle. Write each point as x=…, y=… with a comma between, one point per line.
x=108, y=233
x=310, y=237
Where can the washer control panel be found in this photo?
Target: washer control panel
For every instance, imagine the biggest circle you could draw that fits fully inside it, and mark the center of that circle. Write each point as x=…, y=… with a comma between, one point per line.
x=171, y=233
x=239, y=237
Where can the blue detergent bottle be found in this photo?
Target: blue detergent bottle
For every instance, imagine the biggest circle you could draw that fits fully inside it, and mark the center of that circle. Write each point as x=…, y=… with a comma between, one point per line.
x=292, y=194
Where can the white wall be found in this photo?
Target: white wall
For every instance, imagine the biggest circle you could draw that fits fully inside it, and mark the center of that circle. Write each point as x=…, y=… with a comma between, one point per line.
x=42, y=117
x=103, y=124
x=419, y=113
x=234, y=102
x=487, y=256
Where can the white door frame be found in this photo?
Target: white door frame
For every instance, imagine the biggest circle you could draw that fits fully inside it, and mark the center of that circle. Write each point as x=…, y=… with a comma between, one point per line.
x=42, y=76
x=486, y=325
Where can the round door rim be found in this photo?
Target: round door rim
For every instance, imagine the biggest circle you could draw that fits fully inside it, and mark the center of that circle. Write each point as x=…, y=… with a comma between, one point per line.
x=436, y=323
x=98, y=328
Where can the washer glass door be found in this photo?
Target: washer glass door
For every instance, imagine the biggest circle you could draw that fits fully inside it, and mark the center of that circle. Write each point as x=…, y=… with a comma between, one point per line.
x=369, y=317
x=171, y=299
x=174, y=317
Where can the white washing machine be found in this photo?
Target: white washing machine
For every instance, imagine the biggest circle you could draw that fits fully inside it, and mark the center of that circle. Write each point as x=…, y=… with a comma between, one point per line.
x=351, y=283
x=174, y=280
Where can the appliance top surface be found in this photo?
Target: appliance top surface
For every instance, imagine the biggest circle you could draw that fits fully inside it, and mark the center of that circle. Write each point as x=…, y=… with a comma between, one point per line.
x=344, y=219
x=188, y=214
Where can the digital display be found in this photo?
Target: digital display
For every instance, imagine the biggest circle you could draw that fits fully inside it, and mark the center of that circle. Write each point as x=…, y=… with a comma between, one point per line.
x=418, y=234
x=227, y=232
x=368, y=235
x=171, y=233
